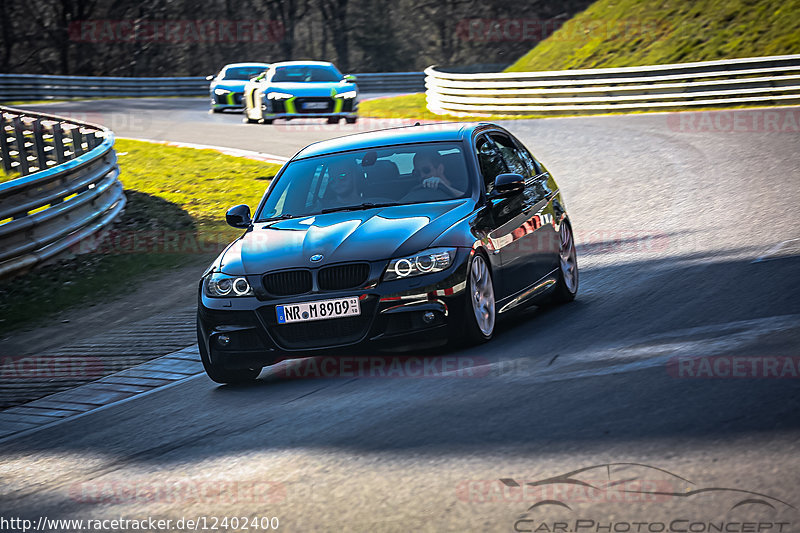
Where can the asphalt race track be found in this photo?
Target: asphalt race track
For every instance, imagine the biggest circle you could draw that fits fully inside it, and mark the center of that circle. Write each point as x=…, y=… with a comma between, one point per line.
x=690, y=254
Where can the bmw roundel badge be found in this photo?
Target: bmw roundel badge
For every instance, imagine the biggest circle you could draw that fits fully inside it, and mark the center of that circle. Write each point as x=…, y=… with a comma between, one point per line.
x=316, y=258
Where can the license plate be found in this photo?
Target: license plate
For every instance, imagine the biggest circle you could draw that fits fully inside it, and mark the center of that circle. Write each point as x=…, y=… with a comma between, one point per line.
x=319, y=310
x=315, y=105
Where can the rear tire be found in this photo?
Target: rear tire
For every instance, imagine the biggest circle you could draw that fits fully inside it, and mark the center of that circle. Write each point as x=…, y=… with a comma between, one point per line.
x=567, y=282
x=478, y=321
x=220, y=374
x=333, y=120
x=266, y=121
x=351, y=120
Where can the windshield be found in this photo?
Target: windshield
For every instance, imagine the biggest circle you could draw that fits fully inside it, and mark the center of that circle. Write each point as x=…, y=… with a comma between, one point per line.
x=242, y=73
x=306, y=73
x=368, y=178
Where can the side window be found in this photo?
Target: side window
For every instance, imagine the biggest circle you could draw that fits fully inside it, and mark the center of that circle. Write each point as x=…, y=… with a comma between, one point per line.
x=490, y=161
x=511, y=155
x=530, y=161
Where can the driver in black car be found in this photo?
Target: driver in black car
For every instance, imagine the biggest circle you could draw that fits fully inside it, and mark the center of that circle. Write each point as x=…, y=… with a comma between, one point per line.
x=430, y=167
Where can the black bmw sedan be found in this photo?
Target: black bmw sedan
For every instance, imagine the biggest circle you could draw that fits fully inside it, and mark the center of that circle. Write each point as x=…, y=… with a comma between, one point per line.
x=385, y=238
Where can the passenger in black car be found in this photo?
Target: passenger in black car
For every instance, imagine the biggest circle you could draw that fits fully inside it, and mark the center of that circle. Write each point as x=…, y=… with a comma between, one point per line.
x=344, y=185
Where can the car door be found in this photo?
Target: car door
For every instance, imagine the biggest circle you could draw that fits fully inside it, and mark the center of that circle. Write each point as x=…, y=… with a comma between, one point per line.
x=501, y=211
x=520, y=236
x=540, y=191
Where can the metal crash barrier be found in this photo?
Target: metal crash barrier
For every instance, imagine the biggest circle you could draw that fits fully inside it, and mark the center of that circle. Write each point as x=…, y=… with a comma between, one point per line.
x=67, y=187
x=771, y=80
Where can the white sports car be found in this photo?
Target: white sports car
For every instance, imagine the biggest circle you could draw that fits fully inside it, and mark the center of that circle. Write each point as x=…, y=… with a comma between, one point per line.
x=294, y=89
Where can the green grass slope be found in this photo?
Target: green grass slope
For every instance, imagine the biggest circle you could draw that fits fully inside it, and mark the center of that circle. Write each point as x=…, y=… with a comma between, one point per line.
x=621, y=33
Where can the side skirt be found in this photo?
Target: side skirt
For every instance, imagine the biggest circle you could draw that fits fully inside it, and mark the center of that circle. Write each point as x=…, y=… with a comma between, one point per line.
x=548, y=281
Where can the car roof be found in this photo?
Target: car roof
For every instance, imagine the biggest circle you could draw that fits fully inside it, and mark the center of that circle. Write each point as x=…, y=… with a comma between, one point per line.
x=302, y=64
x=437, y=132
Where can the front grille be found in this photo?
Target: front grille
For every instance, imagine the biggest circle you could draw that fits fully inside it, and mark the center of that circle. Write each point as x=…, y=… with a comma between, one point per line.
x=342, y=277
x=288, y=282
x=320, y=333
x=299, y=104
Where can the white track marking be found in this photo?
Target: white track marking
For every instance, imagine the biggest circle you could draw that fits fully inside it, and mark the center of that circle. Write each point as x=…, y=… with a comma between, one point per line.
x=772, y=253
x=249, y=154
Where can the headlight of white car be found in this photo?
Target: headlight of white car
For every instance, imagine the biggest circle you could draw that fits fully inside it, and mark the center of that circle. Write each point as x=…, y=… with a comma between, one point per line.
x=219, y=285
x=347, y=95
x=273, y=95
x=426, y=262
x=220, y=92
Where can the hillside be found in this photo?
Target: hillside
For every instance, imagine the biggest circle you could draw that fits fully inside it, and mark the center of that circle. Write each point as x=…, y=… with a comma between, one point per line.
x=619, y=33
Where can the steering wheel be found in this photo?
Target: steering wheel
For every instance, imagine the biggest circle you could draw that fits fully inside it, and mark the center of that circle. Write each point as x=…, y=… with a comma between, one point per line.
x=421, y=192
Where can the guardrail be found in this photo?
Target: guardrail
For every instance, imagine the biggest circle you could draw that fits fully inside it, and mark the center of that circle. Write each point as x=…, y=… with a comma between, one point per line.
x=21, y=87
x=68, y=188
x=759, y=80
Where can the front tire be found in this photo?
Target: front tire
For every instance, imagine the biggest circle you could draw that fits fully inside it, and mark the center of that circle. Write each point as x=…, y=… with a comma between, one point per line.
x=333, y=120
x=219, y=373
x=351, y=120
x=567, y=283
x=477, y=325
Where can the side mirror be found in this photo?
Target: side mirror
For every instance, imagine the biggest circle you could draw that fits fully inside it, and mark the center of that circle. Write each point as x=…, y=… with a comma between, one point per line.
x=211, y=77
x=349, y=78
x=506, y=185
x=238, y=216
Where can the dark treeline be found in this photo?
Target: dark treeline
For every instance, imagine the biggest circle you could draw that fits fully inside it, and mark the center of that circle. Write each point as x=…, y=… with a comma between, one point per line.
x=188, y=38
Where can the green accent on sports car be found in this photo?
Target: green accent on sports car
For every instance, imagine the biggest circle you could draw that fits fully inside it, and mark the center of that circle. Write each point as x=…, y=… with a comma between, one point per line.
x=229, y=98
x=290, y=108
x=337, y=106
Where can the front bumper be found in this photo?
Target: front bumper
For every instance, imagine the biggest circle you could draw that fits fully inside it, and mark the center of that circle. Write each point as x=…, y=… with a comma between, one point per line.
x=392, y=316
x=298, y=107
x=231, y=100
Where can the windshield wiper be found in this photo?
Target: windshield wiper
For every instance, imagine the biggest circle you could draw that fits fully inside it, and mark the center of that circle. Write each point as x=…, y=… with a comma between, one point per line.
x=360, y=207
x=279, y=217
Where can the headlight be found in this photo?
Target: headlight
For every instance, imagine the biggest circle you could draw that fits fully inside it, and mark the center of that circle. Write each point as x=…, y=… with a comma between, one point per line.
x=348, y=94
x=425, y=262
x=220, y=92
x=219, y=285
x=278, y=96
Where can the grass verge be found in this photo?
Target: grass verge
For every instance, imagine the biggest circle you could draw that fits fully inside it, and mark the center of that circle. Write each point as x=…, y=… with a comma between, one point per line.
x=175, y=195
x=413, y=106
x=622, y=33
